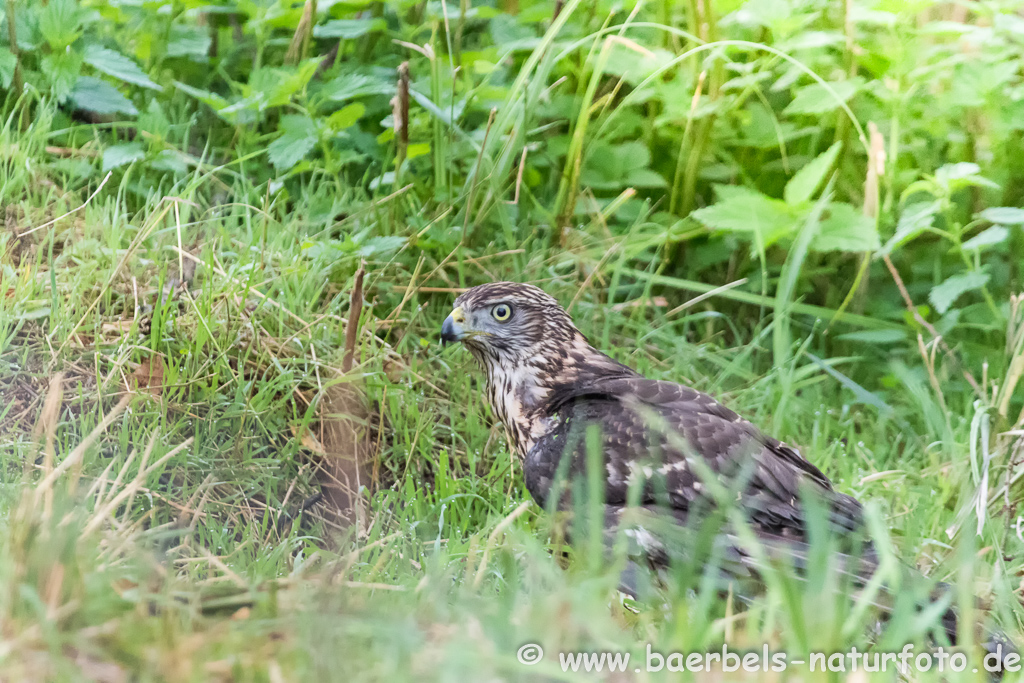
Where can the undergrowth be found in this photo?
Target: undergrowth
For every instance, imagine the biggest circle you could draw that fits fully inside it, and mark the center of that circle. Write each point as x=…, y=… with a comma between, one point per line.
x=808, y=209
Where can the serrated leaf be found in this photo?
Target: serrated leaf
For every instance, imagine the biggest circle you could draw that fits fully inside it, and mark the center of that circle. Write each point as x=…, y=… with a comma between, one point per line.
x=62, y=69
x=742, y=210
x=274, y=86
x=846, y=229
x=958, y=171
x=117, y=65
x=816, y=98
x=963, y=174
x=348, y=28
x=1003, y=215
x=59, y=22
x=98, y=96
x=997, y=234
x=188, y=41
x=915, y=219
x=120, y=155
x=348, y=86
x=943, y=296
x=808, y=179
x=300, y=135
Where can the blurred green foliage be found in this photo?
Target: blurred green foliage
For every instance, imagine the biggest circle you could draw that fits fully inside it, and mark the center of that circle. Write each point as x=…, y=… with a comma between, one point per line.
x=720, y=122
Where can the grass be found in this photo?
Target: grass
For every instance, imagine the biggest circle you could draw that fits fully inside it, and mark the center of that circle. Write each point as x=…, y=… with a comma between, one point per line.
x=173, y=343
x=203, y=571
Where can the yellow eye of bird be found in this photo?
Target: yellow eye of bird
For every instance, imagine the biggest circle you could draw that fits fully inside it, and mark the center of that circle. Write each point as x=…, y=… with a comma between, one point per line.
x=501, y=312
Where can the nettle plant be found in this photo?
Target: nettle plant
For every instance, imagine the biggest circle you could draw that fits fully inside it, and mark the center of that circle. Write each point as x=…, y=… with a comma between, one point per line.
x=765, y=220
x=65, y=53
x=57, y=50
x=930, y=208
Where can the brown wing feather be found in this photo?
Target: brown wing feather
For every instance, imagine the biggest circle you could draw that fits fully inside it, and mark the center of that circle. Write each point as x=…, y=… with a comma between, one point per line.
x=628, y=410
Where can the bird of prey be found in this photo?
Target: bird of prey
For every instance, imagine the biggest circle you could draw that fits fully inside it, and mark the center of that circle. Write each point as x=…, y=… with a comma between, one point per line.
x=665, y=444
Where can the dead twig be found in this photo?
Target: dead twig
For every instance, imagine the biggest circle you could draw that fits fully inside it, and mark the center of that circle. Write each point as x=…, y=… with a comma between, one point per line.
x=931, y=328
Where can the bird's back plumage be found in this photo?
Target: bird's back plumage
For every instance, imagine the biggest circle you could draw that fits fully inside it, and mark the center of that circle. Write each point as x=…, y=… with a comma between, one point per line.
x=656, y=431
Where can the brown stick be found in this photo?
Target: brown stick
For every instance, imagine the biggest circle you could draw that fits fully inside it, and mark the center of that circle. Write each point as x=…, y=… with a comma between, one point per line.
x=355, y=308
x=931, y=328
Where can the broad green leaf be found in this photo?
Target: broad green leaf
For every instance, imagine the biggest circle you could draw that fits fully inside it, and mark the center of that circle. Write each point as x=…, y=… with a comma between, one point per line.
x=169, y=160
x=846, y=229
x=997, y=234
x=958, y=171
x=274, y=87
x=117, y=65
x=742, y=210
x=614, y=167
x=348, y=28
x=300, y=135
x=632, y=155
x=764, y=130
x=915, y=219
x=1003, y=215
x=60, y=23
x=188, y=41
x=812, y=40
x=953, y=177
x=120, y=155
x=62, y=69
x=506, y=31
x=154, y=121
x=96, y=95
x=348, y=86
x=645, y=178
x=346, y=116
x=805, y=183
x=7, y=63
x=816, y=99
x=945, y=295
x=417, y=150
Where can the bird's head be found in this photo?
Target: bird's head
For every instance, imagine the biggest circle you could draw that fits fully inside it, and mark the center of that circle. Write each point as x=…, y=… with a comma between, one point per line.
x=508, y=322
x=529, y=348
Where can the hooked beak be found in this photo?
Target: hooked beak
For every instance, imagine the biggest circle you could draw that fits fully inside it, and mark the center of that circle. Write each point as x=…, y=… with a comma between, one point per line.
x=452, y=330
